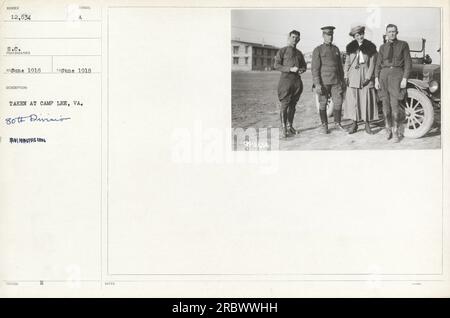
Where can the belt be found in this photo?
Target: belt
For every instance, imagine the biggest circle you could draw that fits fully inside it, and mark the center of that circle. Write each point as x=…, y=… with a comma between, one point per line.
x=392, y=66
x=290, y=74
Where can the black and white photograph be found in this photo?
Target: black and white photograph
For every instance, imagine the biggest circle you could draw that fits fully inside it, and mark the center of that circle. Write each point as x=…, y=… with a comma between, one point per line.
x=336, y=78
x=226, y=149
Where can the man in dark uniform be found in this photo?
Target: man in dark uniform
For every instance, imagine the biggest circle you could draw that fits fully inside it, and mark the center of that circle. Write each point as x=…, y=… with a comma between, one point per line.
x=391, y=76
x=291, y=63
x=328, y=77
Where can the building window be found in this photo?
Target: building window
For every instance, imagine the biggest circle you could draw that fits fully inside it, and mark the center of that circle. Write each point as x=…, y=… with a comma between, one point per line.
x=254, y=61
x=235, y=60
x=246, y=49
x=246, y=60
x=235, y=49
x=269, y=62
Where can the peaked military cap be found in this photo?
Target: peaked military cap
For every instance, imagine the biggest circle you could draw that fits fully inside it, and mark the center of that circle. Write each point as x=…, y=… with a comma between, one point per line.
x=328, y=29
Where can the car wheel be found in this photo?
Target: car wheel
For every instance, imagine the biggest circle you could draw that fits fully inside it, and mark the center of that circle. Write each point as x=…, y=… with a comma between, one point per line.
x=418, y=114
x=330, y=106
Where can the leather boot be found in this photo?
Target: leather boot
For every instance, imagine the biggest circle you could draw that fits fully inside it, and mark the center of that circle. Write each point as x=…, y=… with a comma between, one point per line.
x=388, y=128
x=290, y=120
x=367, y=128
x=337, y=119
x=324, y=120
x=283, y=119
x=353, y=128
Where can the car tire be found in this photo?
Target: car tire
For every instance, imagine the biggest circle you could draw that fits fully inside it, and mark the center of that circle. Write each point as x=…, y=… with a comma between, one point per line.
x=330, y=106
x=418, y=114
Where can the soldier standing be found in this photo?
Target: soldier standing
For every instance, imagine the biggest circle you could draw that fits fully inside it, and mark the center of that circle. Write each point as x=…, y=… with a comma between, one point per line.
x=391, y=74
x=291, y=63
x=328, y=77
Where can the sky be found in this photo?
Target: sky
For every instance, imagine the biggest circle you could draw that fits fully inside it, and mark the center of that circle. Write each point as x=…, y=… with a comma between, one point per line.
x=271, y=26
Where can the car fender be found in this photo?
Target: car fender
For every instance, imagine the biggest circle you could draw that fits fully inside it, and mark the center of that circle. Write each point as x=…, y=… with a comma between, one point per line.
x=420, y=85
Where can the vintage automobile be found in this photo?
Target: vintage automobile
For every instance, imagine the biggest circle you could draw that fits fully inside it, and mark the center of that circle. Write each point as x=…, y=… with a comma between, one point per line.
x=423, y=95
x=423, y=98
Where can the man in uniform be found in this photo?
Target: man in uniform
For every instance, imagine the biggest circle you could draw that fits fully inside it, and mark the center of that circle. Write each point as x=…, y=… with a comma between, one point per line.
x=391, y=75
x=328, y=77
x=291, y=63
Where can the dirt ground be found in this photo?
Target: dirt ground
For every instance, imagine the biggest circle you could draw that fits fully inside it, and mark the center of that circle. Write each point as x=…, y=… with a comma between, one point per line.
x=254, y=104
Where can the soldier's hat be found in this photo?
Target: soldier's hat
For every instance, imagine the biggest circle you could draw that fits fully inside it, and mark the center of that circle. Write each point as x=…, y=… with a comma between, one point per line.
x=328, y=29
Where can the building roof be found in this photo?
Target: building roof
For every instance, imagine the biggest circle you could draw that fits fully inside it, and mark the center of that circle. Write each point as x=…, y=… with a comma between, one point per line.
x=262, y=45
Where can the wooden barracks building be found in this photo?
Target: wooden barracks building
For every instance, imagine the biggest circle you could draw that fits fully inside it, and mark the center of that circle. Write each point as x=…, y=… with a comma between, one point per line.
x=248, y=56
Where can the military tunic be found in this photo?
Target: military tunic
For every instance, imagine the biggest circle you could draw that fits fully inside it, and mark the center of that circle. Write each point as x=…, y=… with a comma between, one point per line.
x=290, y=85
x=393, y=64
x=327, y=71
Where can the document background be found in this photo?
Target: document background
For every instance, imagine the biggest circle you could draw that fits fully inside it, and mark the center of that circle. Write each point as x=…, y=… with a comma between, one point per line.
x=122, y=209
